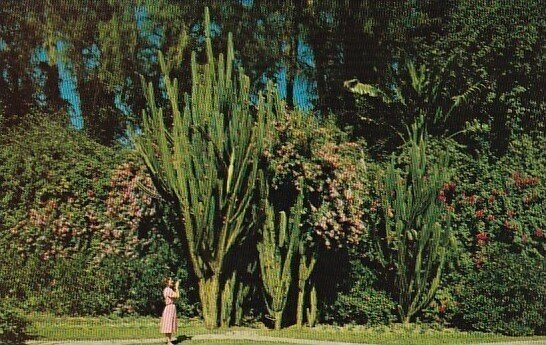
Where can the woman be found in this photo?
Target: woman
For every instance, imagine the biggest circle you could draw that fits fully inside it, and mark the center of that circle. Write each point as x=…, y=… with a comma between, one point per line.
x=169, y=323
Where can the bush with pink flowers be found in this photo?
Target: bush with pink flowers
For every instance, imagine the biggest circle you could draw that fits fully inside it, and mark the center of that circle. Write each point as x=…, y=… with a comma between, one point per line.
x=80, y=215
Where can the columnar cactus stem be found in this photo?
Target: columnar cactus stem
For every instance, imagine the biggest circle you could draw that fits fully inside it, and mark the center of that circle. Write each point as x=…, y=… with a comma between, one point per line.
x=278, y=248
x=312, y=311
x=417, y=236
x=308, y=260
x=207, y=163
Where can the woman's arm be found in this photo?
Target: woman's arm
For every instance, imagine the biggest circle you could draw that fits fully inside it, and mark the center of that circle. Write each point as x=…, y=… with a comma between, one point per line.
x=176, y=290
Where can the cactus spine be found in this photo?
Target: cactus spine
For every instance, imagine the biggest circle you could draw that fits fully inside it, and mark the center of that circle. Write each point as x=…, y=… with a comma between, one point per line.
x=277, y=248
x=208, y=162
x=416, y=244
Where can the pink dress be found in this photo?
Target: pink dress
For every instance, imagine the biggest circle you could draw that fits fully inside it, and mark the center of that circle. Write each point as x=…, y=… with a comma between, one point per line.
x=169, y=322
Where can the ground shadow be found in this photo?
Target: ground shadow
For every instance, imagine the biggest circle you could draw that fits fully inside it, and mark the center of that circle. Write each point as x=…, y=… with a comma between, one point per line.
x=181, y=338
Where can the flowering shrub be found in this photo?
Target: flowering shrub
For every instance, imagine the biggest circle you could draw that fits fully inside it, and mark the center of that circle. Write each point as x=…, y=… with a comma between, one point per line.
x=72, y=195
x=65, y=225
x=503, y=201
x=78, y=217
x=51, y=208
x=332, y=169
x=496, y=204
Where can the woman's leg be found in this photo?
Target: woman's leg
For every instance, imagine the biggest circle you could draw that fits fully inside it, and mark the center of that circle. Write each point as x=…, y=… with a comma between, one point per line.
x=168, y=338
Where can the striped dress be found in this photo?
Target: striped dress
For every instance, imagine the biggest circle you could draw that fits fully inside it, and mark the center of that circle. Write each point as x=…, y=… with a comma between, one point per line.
x=169, y=322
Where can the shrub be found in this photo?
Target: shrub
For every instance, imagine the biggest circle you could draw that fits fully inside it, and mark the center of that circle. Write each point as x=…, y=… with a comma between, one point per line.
x=497, y=203
x=12, y=324
x=62, y=182
x=505, y=295
x=501, y=201
x=76, y=218
x=360, y=302
x=331, y=167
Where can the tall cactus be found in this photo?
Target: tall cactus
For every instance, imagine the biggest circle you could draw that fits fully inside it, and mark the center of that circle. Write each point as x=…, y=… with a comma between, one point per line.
x=278, y=249
x=236, y=287
x=244, y=289
x=207, y=163
x=417, y=236
x=307, y=261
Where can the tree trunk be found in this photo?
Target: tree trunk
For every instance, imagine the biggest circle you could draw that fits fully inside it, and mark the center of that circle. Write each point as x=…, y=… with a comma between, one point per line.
x=209, y=292
x=278, y=319
x=406, y=320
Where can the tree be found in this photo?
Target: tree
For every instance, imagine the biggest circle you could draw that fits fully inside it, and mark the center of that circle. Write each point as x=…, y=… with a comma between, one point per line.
x=208, y=163
x=411, y=93
x=500, y=44
x=25, y=82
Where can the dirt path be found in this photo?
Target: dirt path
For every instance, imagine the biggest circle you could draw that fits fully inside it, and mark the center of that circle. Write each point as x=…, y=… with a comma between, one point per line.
x=239, y=338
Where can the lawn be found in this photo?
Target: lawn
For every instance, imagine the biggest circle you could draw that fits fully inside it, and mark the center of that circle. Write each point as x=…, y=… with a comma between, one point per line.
x=395, y=335
x=47, y=327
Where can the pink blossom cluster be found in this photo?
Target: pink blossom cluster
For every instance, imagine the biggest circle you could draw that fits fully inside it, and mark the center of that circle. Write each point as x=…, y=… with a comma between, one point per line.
x=332, y=179
x=64, y=224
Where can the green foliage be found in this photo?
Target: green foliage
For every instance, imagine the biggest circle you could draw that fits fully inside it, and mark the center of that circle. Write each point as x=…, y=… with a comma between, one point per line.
x=80, y=285
x=71, y=194
x=495, y=203
x=410, y=92
x=505, y=295
x=77, y=218
x=416, y=239
x=361, y=302
x=499, y=44
x=62, y=183
x=80, y=288
x=501, y=200
x=13, y=325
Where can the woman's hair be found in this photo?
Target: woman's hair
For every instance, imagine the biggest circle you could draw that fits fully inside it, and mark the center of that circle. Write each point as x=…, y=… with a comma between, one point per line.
x=166, y=281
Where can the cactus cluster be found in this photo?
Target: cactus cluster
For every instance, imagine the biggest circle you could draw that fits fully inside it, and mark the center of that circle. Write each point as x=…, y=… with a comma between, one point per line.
x=308, y=259
x=417, y=237
x=278, y=249
x=207, y=163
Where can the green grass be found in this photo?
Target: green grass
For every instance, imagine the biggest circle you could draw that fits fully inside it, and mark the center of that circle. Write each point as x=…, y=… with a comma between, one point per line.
x=51, y=328
x=48, y=327
x=395, y=334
